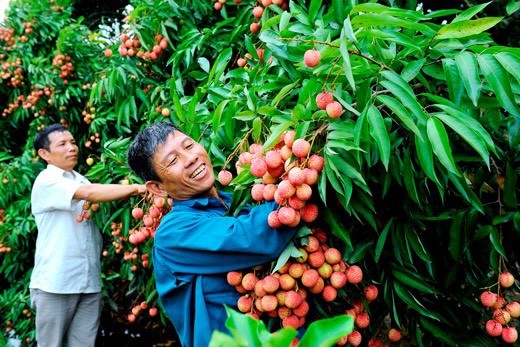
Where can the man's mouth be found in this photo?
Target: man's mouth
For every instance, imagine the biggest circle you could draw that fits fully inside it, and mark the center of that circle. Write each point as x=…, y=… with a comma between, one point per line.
x=199, y=171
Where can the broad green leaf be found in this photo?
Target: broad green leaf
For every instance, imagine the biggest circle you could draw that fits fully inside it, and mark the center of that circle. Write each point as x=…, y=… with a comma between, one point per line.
x=510, y=62
x=512, y=7
x=336, y=227
x=497, y=242
x=347, y=27
x=516, y=221
x=217, y=116
x=343, y=49
x=276, y=132
x=410, y=102
x=379, y=20
x=284, y=256
x=470, y=12
x=467, y=133
x=314, y=7
x=377, y=128
x=413, y=279
x=284, y=20
x=220, y=339
x=245, y=329
x=392, y=36
x=369, y=7
x=466, y=28
x=467, y=193
x=326, y=332
x=417, y=245
x=412, y=69
x=470, y=122
x=401, y=112
x=382, y=239
x=220, y=64
x=499, y=82
x=455, y=86
x=283, y=93
x=468, y=70
x=408, y=176
x=282, y=337
x=405, y=295
x=440, y=145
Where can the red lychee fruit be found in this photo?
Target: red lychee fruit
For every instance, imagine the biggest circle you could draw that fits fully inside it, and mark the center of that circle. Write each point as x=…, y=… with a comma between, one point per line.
x=311, y=176
x=310, y=278
x=332, y=256
x=285, y=189
x=506, y=279
x=108, y=52
x=273, y=159
x=301, y=148
x=509, y=335
x=259, y=289
x=288, y=138
x=137, y=213
x=234, y=278
x=287, y=282
x=501, y=316
x=316, y=259
x=257, y=192
x=254, y=27
x=291, y=321
x=316, y=162
x=354, y=338
x=258, y=11
x=362, y=320
x=241, y=62
x=270, y=284
x=488, y=299
x=292, y=299
x=269, y=302
x=286, y=215
x=302, y=309
x=318, y=287
x=153, y=312
x=296, y=270
x=338, y=279
x=268, y=191
x=323, y=99
x=295, y=176
x=370, y=292
x=334, y=109
x=273, y=220
x=303, y=192
x=493, y=328
x=225, y=177
x=249, y=281
x=245, y=303
x=258, y=167
x=313, y=244
x=394, y=335
x=295, y=203
x=312, y=58
x=329, y=293
x=309, y=213
x=354, y=274
x=514, y=309
x=325, y=270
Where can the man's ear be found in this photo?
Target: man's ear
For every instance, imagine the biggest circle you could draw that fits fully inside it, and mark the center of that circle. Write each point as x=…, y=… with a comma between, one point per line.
x=43, y=153
x=155, y=188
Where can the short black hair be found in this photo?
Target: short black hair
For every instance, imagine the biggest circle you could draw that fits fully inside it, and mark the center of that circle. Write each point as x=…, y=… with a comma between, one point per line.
x=42, y=139
x=141, y=151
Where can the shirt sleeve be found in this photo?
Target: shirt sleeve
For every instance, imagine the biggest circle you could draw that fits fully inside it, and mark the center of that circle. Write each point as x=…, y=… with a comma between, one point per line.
x=202, y=243
x=54, y=193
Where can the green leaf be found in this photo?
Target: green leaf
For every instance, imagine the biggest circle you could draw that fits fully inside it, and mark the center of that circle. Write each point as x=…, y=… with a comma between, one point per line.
x=468, y=70
x=467, y=133
x=470, y=12
x=220, y=339
x=462, y=187
x=455, y=87
x=343, y=49
x=349, y=32
x=377, y=129
x=516, y=221
x=336, y=227
x=409, y=101
x=283, y=93
x=456, y=234
x=284, y=256
x=379, y=19
x=282, y=337
x=412, y=69
x=405, y=295
x=245, y=329
x=417, y=245
x=382, y=239
x=401, y=112
x=499, y=82
x=510, y=62
x=437, y=332
x=466, y=28
x=220, y=64
x=440, y=145
x=510, y=187
x=409, y=177
x=512, y=7
x=326, y=332
x=314, y=7
x=413, y=280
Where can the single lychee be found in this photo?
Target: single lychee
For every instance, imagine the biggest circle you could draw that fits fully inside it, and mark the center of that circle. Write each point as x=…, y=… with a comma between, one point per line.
x=362, y=320
x=258, y=11
x=514, y=309
x=249, y=281
x=286, y=215
x=257, y=192
x=506, y=279
x=301, y=148
x=245, y=303
x=268, y=191
x=287, y=282
x=292, y=299
x=493, y=328
x=269, y=302
x=323, y=99
x=488, y=299
x=310, y=278
x=291, y=321
x=286, y=189
x=303, y=192
x=332, y=256
x=273, y=220
x=354, y=274
x=295, y=176
x=334, y=109
x=313, y=244
x=316, y=259
x=329, y=293
x=225, y=177
x=234, y=278
x=270, y=284
x=354, y=338
x=316, y=161
x=311, y=176
x=509, y=335
x=273, y=159
x=258, y=167
x=394, y=335
x=241, y=62
x=338, y=279
x=370, y=292
x=501, y=316
x=309, y=213
x=312, y=58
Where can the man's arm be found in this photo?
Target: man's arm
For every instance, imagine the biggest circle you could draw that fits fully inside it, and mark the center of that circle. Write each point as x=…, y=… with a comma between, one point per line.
x=108, y=192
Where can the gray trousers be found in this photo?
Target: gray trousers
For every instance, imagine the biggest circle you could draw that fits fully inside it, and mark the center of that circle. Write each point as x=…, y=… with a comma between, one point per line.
x=66, y=319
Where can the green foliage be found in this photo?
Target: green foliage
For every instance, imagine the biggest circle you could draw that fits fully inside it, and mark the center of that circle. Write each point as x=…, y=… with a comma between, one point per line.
x=420, y=184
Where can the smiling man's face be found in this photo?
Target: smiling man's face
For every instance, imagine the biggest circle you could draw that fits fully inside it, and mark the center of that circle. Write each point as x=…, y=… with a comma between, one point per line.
x=63, y=151
x=184, y=168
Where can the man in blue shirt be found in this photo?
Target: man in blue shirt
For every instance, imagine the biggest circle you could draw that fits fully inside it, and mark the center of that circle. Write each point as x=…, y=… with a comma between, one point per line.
x=197, y=243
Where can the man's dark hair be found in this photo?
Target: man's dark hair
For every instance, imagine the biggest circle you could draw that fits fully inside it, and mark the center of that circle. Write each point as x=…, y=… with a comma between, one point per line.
x=42, y=139
x=142, y=149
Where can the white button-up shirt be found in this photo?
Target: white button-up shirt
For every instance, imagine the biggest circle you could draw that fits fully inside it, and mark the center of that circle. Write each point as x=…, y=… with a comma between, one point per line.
x=67, y=258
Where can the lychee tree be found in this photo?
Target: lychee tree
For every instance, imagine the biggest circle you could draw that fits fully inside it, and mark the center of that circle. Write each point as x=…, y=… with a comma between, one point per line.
x=413, y=112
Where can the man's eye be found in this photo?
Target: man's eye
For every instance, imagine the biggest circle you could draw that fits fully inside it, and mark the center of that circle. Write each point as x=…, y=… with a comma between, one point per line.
x=189, y=146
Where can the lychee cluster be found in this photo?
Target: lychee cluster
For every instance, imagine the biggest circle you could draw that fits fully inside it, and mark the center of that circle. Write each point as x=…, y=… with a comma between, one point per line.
x=89, y=113
x=93, y=139
x=86, y=211
x=504, y=313
x=64, y=65
x=148, y=221
x=4, y=249
x=286, y=174
x=320, y=272
x=132, y=46
x=118, y=238
x=325, y=101
x=12, y=72
x=138, y=309
x=7, y=35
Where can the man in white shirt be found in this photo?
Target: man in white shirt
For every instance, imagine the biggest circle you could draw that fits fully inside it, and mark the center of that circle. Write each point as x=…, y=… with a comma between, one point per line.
x=66, y=280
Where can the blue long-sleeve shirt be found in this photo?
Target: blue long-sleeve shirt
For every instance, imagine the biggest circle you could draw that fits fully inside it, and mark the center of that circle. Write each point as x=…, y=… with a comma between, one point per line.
x=195, y=246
